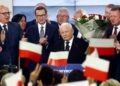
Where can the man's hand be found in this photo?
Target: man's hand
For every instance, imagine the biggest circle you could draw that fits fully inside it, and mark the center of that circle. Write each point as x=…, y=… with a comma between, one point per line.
x=44, y=40
x=35, y=73
x=64, y=79
x=24, y=39
x=114, y=37
x=2, y=36
x=0, y=49
x=117, y=45
x=39, y=82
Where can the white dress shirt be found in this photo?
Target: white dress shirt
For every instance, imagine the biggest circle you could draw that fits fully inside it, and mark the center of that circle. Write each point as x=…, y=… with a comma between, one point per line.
x=70, y=43
x=44, y=27
x=118, y=30
x=1, y=24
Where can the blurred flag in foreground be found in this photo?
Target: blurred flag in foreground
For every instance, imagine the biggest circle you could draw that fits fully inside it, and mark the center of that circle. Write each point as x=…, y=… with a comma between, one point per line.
x=30, y=51
x=96, y=68
x=58, y=58
x=77, y=83
x=14, y=80
x=105, y=47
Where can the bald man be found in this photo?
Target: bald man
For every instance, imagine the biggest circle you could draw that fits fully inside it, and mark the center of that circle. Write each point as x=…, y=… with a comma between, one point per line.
x=76, y=46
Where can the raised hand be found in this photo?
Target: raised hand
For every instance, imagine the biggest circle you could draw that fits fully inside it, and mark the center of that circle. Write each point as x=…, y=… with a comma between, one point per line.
x=35, y=73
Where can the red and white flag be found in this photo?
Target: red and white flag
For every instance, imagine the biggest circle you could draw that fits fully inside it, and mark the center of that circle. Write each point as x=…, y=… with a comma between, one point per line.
x=96, y=68
x=14, y=80
x=30, y=51
x=105, y=47
x=58, y=58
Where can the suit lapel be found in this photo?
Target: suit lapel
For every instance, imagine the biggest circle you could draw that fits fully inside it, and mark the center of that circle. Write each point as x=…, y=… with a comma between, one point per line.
x=47, y=29
x=36, y=30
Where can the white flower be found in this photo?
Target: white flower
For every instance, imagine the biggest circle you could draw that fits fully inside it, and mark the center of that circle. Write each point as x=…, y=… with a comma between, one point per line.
x=96, y=17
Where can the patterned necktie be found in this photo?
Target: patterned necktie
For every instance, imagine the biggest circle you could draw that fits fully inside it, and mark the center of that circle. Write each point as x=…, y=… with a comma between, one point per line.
x=67, y=46
x=3, y=34
x=42, y=32
x=115, y=30
x=5, y=28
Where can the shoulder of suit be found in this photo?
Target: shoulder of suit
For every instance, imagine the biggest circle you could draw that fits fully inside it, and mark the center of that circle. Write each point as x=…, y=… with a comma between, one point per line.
x=13, y=24
x=82, y=40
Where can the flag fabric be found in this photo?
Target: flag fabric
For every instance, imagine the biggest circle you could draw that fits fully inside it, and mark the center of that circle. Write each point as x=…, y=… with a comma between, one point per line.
x=96, y=68
x=105, y=47
x=14, y=80
x=77, y=83
x=58, y=58
x=90, y=56
x=30, y=51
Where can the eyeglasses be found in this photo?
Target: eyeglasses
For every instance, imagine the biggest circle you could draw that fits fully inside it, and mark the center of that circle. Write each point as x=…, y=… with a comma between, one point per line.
x=5, y=13
x=63, y=16
x=41, y=15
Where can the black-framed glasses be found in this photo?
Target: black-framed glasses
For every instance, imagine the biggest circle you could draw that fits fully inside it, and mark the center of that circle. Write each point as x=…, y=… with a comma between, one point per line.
x=5, y=13
x=41, y=15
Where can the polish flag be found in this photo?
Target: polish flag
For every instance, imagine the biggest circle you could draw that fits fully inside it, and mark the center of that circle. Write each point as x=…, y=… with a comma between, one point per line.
x=14, y=80
x=58, y=58
x=30, y=51
x=96, y=68
x=105, y=47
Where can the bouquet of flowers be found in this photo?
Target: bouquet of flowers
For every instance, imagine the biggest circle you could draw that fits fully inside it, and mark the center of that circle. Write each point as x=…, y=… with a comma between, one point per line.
x=92, y=26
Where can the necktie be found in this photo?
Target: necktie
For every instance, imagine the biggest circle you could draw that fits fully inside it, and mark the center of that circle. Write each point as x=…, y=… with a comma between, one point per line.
x=115, y=30
x=3, y=34
x=5, y=28
x=42, y=32
x=67, y=46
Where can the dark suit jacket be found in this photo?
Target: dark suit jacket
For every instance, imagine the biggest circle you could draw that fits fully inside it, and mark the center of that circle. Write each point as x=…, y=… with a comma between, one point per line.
x=33, y=22
x=77, y=52
x=108, y=31
x=33, y=36
x=9, y=55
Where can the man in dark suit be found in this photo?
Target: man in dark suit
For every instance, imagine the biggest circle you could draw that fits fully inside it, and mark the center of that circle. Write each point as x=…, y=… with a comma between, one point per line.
x=63, y=16
x=76, y=46
x=33, y=22
x=113, y=29
x=10, y=34
x=42, y=33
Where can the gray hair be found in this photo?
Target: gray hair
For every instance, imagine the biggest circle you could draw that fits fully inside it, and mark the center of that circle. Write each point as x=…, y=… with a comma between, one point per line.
x=68, y=25
x=63, y=9
x=3, y=7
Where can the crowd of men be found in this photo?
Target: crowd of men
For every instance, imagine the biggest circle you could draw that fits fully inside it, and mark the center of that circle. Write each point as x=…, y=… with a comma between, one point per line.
x=60, y=35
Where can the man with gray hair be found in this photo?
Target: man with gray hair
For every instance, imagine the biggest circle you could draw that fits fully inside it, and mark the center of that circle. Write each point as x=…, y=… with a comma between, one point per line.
x=75, y=46
x=63, y=17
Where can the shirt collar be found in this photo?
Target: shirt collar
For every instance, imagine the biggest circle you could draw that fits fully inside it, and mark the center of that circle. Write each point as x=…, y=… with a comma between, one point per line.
x=1, y=24
x=44, y=25
x=70, y=41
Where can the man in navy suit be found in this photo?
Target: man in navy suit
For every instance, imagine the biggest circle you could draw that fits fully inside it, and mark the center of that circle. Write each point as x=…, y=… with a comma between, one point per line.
x=32, y=22
x=76, y=46
x=10, y=34
x=47, y=38
x=113, y=30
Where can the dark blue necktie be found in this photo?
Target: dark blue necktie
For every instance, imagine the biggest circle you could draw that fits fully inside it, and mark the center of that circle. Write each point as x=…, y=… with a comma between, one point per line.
x=67, y=46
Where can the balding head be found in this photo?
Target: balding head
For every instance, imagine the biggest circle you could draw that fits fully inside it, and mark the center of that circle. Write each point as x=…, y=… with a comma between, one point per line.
x=66, y=31
x=41, y=5
x=4, y=14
